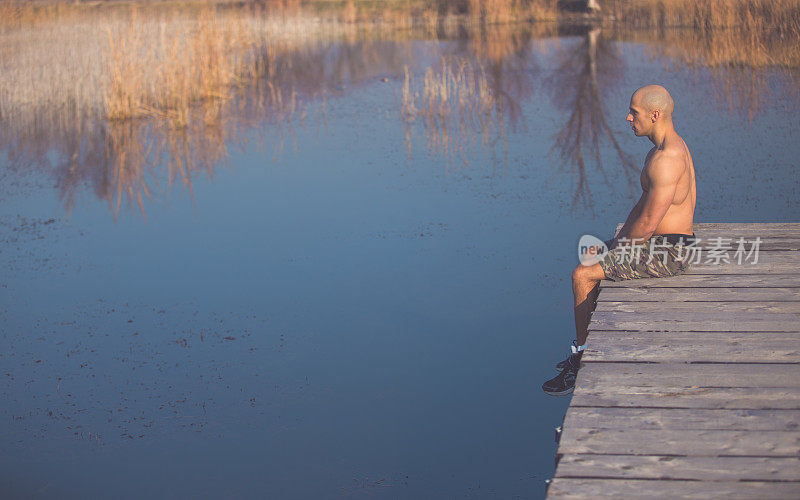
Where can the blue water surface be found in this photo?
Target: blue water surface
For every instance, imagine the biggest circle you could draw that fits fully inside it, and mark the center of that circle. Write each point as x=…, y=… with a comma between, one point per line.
x=353, y=315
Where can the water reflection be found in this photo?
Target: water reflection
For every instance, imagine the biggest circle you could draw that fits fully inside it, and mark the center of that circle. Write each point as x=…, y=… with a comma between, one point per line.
x=466, y=100
x=460, y=95
x=456, y=104
x=132, y=160
x=580, y=85
x=741, y=62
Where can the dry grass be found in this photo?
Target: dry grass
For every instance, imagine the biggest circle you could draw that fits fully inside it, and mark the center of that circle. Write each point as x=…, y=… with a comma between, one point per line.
x=782, y=16
x=188, y=64
x=754, y=33
x=173, y=58
x=162, y=61
x=127, y=62
x=408, y=12
x=754, y=48
x=509, y=11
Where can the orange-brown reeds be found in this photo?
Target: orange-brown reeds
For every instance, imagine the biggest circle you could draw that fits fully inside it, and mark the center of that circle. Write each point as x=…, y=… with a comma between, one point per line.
x=126, y=62
x=198, y=60
x=782, y=16
x=508, y=11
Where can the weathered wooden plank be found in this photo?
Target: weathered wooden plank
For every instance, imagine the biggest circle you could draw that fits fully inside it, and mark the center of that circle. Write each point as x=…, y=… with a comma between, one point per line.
x=692, y=347
x=729, y=226
x=711, y=281
x=700, y=307
x=747, y=225
x=691, y=321
x=704, y=443
x=734, y=269
x=742, y=270
x=670, y=467
x=641, y=294
x=776, y=257
x=682, y=418
x=678, y=320
x=688, y=375
x=695, y=322
x=594, y=489
x=767, y=244
x=612, y=395
x=747, y=234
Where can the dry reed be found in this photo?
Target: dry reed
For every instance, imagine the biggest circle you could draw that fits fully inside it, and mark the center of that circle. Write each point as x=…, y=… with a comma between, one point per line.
x=782, y=16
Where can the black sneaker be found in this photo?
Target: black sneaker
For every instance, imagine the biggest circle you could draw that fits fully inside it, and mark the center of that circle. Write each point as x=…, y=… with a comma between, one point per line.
x=575, y=356
x=563, y=383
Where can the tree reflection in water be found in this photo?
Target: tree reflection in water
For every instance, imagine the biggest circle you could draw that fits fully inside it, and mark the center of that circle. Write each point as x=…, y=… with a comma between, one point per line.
x=580, y=84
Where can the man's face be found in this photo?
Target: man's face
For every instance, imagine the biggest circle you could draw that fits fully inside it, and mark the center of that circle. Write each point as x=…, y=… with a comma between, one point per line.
x=638, y=117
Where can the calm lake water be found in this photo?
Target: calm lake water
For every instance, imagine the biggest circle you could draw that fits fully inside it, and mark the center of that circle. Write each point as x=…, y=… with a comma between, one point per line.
x=352, y=299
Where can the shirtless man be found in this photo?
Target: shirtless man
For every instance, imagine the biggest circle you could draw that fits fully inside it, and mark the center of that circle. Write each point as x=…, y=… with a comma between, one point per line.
x=658, y=226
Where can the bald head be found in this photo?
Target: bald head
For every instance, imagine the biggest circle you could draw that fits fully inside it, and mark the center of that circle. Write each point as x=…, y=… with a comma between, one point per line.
x=655, y=97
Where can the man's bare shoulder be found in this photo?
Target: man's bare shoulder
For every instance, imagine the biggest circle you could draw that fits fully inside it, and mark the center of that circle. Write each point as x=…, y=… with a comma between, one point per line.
x=666, y=166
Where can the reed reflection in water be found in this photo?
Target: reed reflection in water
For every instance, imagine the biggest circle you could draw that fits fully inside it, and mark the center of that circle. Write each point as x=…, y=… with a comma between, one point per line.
x=467, y=100
x=740, y=62
x=69, y=104
x=136, y=158
x=455, y=104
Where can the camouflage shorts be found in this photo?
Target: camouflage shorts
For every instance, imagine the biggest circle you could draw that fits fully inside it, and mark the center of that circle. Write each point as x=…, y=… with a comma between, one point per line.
x=659, y=257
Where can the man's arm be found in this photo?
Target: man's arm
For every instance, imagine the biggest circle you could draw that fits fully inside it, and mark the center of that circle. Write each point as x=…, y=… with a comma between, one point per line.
x=632, y=216
x=663, y=175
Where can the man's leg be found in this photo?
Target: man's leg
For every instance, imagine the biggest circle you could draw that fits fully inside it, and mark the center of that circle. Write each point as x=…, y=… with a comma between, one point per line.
x=584, y=286
x=584, y=289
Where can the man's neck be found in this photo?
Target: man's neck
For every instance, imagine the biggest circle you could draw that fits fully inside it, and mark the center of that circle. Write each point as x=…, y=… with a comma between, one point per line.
x=660, y=134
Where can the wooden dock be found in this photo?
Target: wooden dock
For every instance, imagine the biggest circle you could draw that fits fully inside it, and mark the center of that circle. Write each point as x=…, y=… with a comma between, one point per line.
x=690, y=386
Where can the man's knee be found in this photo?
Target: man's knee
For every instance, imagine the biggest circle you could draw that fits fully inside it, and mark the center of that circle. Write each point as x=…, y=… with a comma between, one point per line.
x=587, y=274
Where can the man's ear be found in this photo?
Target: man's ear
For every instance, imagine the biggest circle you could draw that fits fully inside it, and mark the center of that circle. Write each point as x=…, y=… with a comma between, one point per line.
x=654, y=115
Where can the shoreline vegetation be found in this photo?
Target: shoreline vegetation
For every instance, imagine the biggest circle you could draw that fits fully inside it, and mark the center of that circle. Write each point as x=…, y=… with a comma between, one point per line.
x=158, y=58
x=121, y=86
